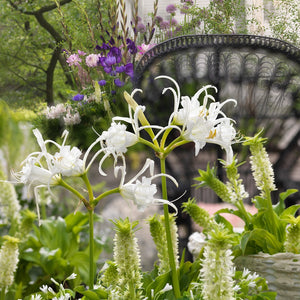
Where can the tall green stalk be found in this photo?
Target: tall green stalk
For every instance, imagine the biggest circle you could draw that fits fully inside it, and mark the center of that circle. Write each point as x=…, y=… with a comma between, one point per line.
x=175, y=281
x=91, y=242
x=2, y=294
x=91, y=229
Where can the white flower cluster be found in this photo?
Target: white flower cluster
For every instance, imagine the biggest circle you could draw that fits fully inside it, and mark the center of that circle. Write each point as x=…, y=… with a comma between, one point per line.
x=198, y=123
x=69, y=115
x=202, y=123
x=60, y=295
x=217, y=273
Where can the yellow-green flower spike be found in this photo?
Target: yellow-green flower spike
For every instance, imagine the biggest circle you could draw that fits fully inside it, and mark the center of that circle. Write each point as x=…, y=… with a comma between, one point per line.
x=127, y=259
x=158, y=233
x=9, y=258
x=200, y=216
x=209, y=178
x=261, y=166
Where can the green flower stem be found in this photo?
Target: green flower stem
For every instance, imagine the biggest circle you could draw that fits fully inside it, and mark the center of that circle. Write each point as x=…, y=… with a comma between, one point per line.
x=240, y=205
x=89, y=187
x=91, y=229
x=149, y=144
x=173, y=145
x=91, y=242
x=75, y=192
x=175, y=280
x=270, y=216
x=103, y=195
x=164, y=137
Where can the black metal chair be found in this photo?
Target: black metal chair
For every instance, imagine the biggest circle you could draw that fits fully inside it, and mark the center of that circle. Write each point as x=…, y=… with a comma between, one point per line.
x=261, y=73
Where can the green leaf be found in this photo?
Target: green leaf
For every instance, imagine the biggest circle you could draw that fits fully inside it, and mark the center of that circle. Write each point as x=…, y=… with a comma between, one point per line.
x=279, y=207
x=260, y=239
x=81, y=263
x=75, y=222
x=222, y=220
x=158, y=284
x=290, y=211
x=92, y=294
x=284, y=195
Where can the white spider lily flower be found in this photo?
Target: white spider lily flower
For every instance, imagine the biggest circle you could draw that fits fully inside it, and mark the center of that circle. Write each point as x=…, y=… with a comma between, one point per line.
x=201, y=123
x=67, y=161
x=220, y=132
x=142, y=192
x=138, y=116
x=115, y=142
x=34, y=174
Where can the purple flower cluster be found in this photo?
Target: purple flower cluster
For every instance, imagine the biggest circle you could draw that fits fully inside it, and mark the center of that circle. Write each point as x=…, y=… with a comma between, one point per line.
x=110, y=59
x=171, y=9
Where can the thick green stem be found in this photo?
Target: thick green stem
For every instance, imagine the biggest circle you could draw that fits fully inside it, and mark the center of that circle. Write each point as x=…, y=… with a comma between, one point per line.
x=242, y=209
x=2, y=295
x=270, y=216
x=103, y=195
x=172, y=262
x=91, y=241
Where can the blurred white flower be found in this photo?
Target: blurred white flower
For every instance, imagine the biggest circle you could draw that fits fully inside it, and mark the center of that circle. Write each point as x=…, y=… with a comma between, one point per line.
x=55, y=112
x=44, y=289
x=9, y=258
x=196, y=242
x=92, y=60
x=72, y=118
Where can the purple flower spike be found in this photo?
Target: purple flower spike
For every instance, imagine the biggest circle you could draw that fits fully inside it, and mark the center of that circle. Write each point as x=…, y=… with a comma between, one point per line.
x=110, y=60
x=107, y=69
x=120, y=69
x=118, y=82
x=115, y=52
x=102, y=82
x=129, y=69
x=131, y=46
x=78, y=97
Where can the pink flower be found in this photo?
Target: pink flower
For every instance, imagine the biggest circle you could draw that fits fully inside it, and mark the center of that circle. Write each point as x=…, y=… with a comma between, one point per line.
x=74, y=60
x=81, y=52
x=144, y=48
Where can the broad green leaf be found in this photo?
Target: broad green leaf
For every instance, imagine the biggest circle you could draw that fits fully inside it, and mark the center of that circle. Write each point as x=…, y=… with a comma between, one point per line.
x=290, y=211
x=81, y=263
x=222, y=220
x=263, y=239
x=259, y=202
x=75, y=222
x=279, y=207
x=158, y=283
x=92, y=294
x=284, y=195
